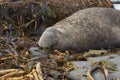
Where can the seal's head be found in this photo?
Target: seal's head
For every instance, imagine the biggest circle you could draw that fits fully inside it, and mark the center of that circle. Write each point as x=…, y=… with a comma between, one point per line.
x=48, y=38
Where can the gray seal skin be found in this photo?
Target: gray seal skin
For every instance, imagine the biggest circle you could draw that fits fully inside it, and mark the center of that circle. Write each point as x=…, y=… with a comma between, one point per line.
x=91, y=28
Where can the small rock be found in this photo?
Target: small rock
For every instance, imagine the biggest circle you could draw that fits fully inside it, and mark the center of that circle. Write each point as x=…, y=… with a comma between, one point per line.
x=37, y=52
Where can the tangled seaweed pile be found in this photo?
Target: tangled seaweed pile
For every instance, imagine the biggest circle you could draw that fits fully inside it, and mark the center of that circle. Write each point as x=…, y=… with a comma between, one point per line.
x=17, y=62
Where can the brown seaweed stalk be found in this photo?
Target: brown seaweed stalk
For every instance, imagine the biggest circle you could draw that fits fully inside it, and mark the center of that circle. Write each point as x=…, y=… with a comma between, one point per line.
x=96, y=67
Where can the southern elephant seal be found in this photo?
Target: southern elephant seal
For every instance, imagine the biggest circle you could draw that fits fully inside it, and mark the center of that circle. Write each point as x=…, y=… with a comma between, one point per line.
x=91, y=28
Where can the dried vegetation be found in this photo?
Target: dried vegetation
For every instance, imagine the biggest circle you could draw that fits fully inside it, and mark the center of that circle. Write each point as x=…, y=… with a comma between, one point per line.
x=19, y=22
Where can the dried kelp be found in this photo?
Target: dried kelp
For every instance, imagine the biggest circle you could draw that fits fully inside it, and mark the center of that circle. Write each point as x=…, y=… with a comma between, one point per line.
x=32, y=17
